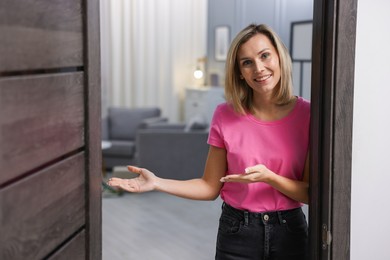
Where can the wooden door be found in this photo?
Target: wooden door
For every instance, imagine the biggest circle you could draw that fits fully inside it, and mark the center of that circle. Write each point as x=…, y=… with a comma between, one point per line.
x=334, y=36
x=50, y=179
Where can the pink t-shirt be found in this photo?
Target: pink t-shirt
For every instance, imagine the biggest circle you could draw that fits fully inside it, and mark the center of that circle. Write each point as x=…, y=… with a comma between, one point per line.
x=280, y=145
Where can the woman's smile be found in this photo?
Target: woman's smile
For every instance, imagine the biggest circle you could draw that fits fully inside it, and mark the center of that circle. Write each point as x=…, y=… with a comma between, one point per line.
x=263, y=79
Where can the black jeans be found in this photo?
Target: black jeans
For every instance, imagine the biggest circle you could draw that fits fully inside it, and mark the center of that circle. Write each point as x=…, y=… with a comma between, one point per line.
x=281, y=235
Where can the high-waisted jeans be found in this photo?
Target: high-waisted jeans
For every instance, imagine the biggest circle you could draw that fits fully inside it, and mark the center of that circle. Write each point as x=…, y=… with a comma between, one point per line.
x=280, y=235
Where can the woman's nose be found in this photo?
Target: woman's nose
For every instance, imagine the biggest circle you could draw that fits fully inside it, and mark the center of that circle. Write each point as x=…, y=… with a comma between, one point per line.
x=259, y=66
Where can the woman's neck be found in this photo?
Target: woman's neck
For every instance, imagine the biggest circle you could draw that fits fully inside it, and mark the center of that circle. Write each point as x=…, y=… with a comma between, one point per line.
x=266, y=109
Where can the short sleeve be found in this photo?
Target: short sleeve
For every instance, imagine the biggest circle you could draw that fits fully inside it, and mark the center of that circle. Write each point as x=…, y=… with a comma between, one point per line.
x=215, y=135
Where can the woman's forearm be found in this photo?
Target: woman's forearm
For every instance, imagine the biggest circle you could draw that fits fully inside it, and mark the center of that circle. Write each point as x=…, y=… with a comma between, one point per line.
x=297, y=190
x=196, y=189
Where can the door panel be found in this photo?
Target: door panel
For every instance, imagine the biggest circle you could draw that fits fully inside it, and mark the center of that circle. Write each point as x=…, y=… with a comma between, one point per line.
x=40, y=34
x=43, y=210
x=42, y=119
x=334, y=33
x=50, y=157
x=74, y=249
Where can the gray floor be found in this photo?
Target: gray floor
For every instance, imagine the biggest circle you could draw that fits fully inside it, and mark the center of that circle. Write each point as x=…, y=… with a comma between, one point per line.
x=155, y=225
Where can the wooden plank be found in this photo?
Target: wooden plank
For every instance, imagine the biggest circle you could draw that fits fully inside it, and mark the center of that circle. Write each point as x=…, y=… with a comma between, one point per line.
x=343, y=128
x=332, y=104
x=39, y=212
x=74, y=249
x=42, y=119
x=92, y=131
x=40, y=34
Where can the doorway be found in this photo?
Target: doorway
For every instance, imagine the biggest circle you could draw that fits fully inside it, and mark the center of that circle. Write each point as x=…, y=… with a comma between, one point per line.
x=331, y=140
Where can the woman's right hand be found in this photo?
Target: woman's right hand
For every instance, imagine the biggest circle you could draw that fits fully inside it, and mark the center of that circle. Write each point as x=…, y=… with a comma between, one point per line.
x=143, y=183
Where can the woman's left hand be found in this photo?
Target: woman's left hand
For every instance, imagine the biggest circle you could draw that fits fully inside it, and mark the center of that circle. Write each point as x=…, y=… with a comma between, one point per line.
x=257, y=173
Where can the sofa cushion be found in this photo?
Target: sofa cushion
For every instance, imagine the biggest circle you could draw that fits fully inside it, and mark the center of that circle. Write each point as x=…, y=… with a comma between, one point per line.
x=196, y=123
x=173, y=154
x=151, y=121
x=120, y=148
x=124, y=122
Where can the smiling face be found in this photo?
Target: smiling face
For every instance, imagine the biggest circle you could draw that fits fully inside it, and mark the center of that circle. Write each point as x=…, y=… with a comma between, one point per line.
x=258, y=62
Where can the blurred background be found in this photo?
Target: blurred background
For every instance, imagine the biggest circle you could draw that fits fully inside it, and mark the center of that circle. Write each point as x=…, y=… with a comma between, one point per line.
x=162, y=71
x=150, y=49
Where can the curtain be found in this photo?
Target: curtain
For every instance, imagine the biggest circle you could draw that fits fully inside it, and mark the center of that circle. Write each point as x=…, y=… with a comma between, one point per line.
x=149, y=50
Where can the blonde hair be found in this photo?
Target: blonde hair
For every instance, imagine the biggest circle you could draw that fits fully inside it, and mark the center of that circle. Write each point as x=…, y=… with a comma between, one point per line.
x=237, y=91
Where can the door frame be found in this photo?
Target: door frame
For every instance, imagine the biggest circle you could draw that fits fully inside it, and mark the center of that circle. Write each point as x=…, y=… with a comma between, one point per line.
x=93, y=216
x=333, y=64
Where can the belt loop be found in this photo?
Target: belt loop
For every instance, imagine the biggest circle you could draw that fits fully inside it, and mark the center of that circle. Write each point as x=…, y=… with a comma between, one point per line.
x=280, y=218
x=223, y=205
x=246, y=216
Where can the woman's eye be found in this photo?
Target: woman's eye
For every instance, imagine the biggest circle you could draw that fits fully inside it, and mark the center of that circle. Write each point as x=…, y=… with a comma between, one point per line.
x=265, y=55
x=246, y=62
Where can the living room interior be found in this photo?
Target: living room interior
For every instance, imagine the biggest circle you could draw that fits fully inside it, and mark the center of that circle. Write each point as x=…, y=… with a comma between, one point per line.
x=162, y=75
x=150, y=52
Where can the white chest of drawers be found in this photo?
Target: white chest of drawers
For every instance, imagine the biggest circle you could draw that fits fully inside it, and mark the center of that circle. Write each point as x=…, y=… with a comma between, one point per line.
x=202, y=102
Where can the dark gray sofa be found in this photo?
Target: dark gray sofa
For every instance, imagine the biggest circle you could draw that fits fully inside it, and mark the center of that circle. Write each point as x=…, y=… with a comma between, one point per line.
x=173, y=151
x=119, y=127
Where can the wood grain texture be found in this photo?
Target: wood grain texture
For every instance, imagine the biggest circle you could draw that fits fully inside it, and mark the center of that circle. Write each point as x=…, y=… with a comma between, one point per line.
x=93, y=131
x=42, y=118
x=74, y=249
x=334, y=35
x=343, y=128
x=40, y=34
x=39, y=212
x=50, y=182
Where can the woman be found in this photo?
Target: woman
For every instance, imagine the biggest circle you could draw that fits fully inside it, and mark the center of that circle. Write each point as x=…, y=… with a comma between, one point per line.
x=258, y=155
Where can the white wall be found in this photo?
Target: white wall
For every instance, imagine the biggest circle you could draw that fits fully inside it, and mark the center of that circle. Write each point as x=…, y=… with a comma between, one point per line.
x=370, y=205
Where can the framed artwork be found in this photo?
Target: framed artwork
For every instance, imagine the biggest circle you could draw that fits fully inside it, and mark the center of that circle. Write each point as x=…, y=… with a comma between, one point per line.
x=221, y=42
x=300, y=49
x=300, y=40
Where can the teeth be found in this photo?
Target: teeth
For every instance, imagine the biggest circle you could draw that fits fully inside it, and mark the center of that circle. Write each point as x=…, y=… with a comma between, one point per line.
x=263, y=78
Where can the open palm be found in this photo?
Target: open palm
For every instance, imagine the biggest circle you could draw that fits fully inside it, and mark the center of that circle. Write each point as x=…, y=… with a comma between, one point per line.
x=257, y=173
x=143, y=183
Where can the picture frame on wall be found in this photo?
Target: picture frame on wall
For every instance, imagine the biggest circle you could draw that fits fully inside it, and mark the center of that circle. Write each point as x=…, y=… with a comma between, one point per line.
x=222, y=34
x=300, y=40
x=300, y=49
